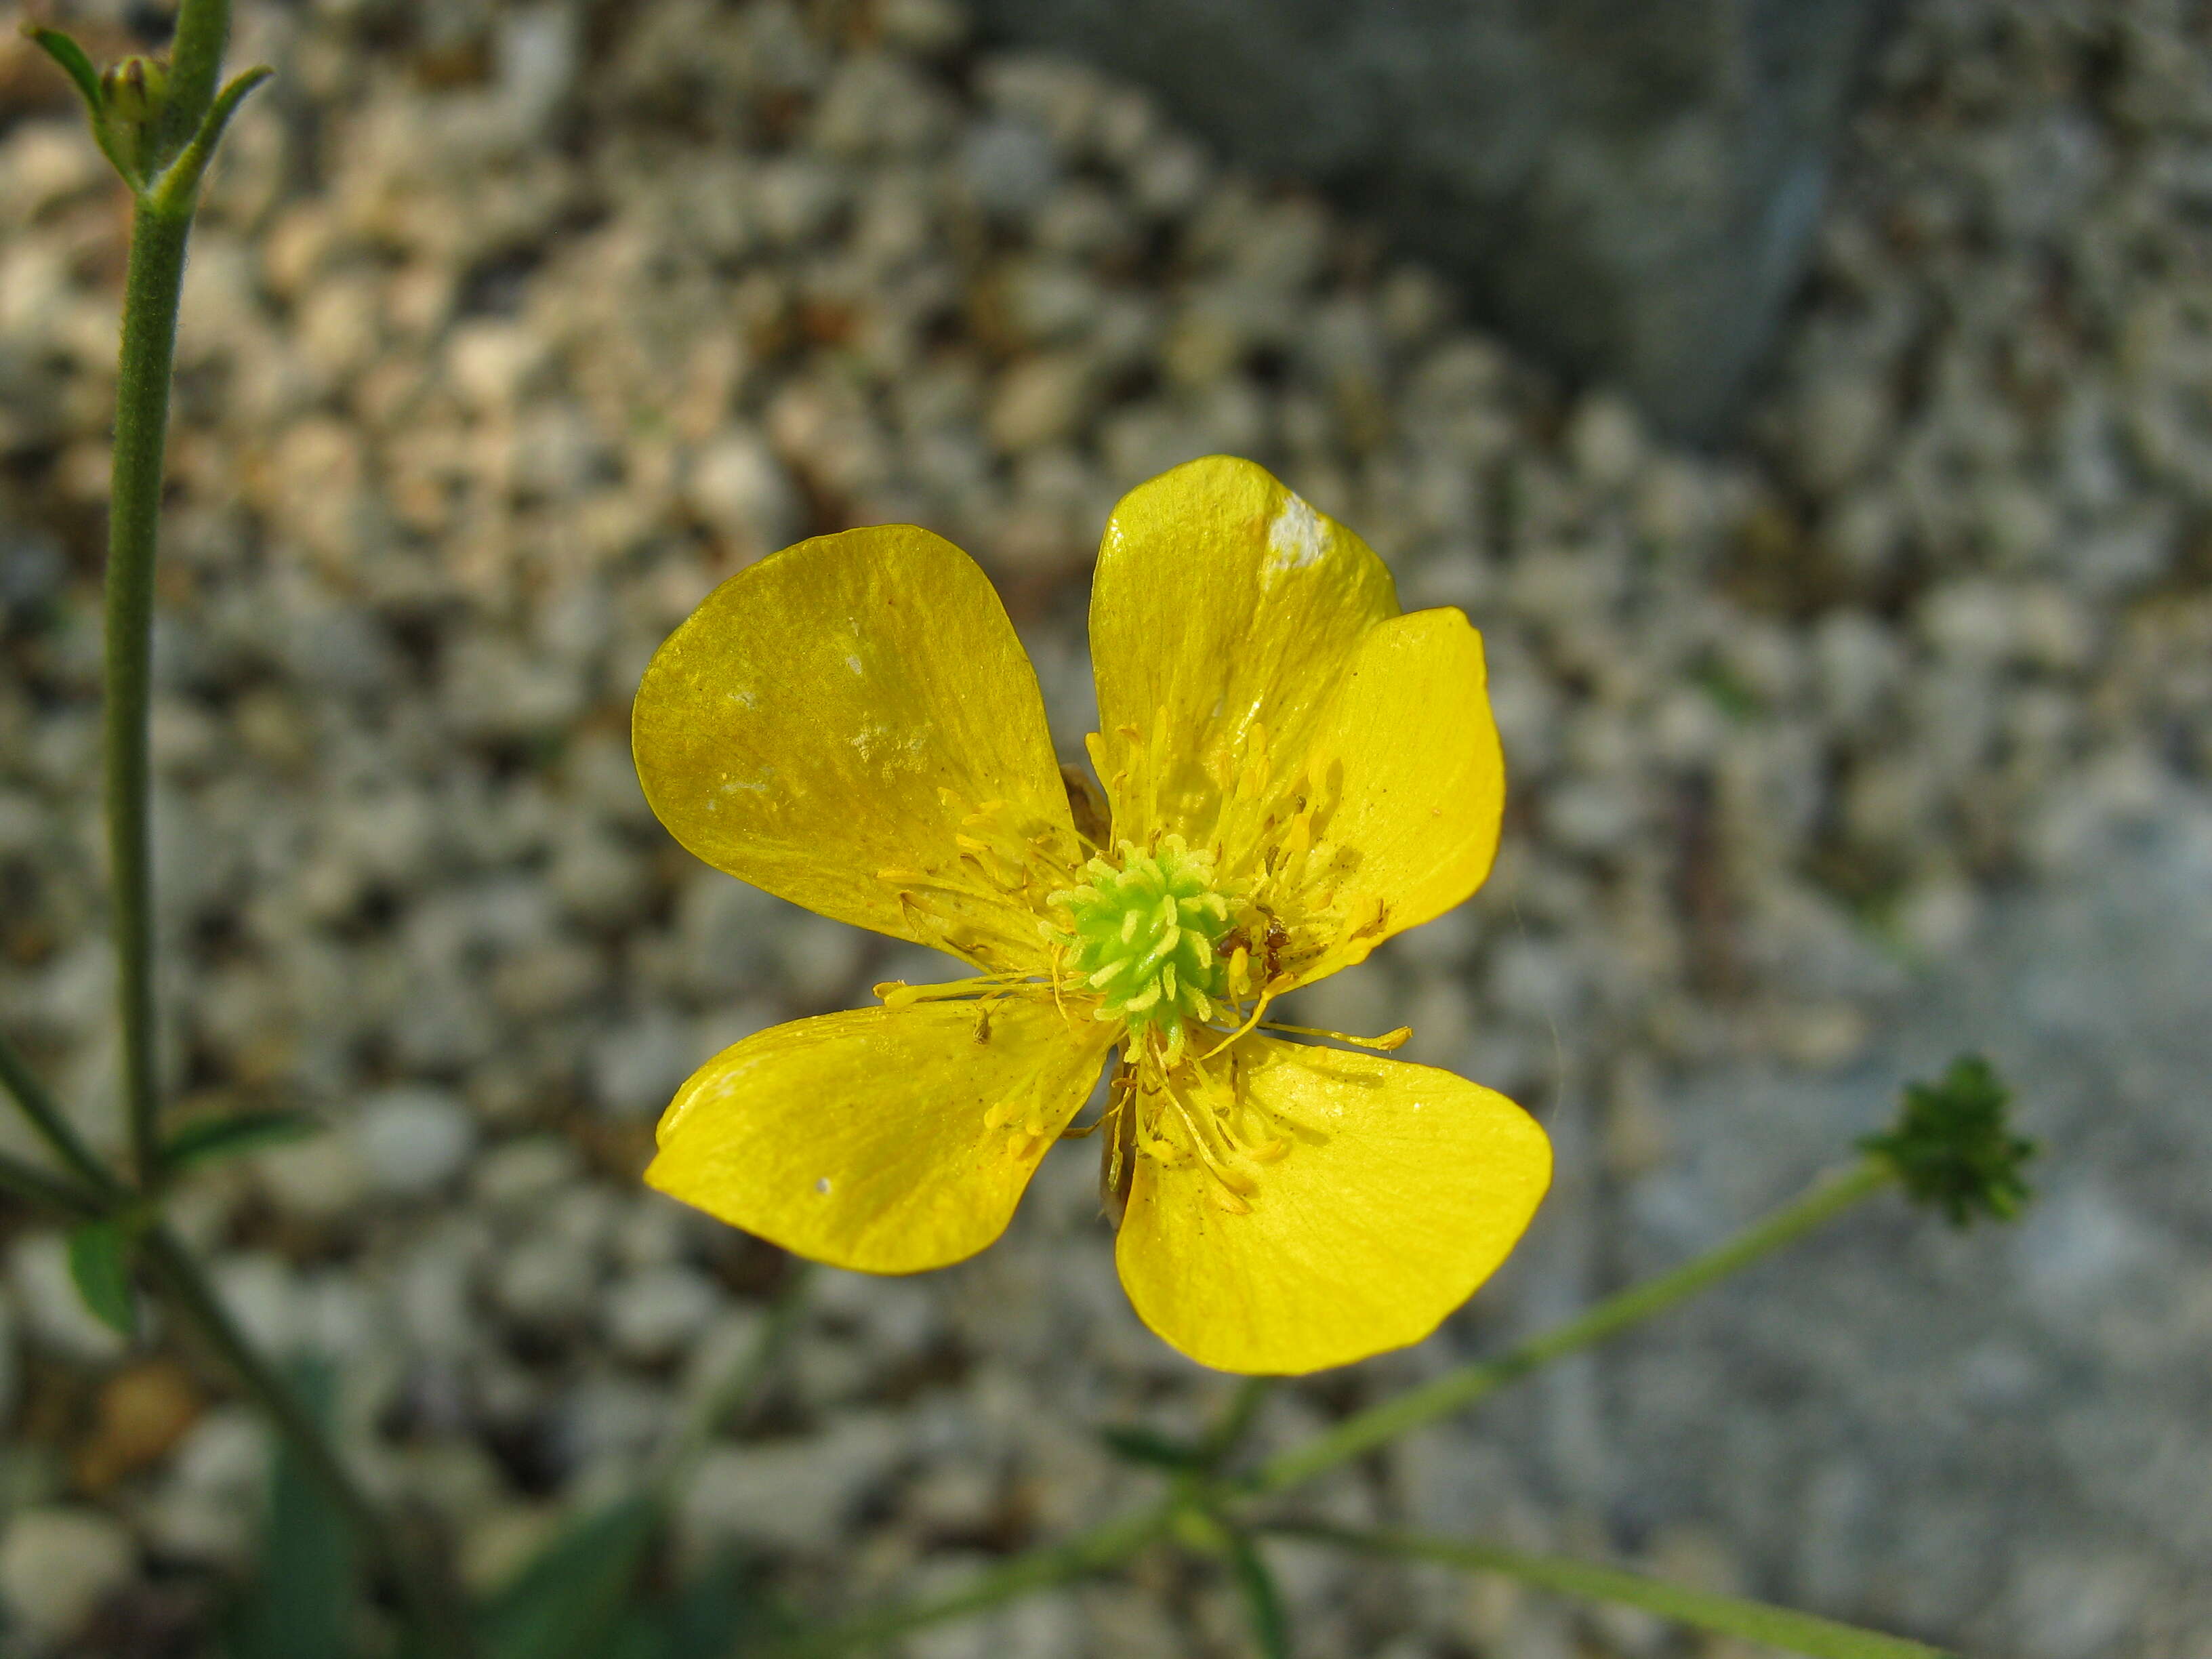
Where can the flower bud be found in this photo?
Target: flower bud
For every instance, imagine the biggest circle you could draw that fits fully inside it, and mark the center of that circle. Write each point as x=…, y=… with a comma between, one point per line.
x=133, y=90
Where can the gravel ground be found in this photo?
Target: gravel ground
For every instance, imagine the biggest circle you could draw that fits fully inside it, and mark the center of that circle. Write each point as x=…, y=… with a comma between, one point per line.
x=512, y=330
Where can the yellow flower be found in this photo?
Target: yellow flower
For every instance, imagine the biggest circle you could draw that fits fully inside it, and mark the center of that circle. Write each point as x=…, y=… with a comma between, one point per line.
x=1293, y=772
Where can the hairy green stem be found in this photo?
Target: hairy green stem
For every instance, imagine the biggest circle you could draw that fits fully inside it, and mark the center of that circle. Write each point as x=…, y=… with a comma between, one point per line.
x=46, y=1116
x=195, y=64
x=1456, y=1390
x=435, y=1612
x=151, y=287
x=1729, y=1615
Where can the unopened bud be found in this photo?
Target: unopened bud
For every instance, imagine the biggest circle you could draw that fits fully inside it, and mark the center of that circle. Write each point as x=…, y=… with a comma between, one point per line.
x=133, y=89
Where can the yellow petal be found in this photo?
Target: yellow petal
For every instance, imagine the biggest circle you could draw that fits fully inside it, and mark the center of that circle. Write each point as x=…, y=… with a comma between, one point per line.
x=829, y=721
x=1403, y=1189
x=887, y=1140
x=1223, y=603
x=1408, y=752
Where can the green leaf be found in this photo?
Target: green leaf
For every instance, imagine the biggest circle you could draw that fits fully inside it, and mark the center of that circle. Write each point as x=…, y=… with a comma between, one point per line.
x=569, y=1602
x=78, y=67
x=99, y=1263
x=1729, y=1615
x=301, y=1603
x=211, y=1139
x=1263, y=1602
x=1158, y=1451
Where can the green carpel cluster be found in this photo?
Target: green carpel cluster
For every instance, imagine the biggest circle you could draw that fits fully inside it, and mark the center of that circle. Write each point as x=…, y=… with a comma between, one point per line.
x=1145, y=936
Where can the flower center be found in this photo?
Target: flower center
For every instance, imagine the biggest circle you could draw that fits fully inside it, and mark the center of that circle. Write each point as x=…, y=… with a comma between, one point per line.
x=1144, y=937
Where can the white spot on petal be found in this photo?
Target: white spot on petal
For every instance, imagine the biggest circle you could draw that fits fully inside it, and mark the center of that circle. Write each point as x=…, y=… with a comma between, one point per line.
x=822, y=1186
x=854, y=663
x=1295, y=538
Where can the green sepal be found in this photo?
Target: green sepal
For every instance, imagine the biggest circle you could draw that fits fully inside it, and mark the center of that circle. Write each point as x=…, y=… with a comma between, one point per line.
x=1953, y=1145
x=100, y=1266
x=212, y=1139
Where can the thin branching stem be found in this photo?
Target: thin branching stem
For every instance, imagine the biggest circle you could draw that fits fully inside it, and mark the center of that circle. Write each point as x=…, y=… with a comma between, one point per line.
x=1726, y=1615
x=1093, y=1552
x=1113, y=1541
x=1457, y=1389
x=166, y=195
x=46, y=1116
x=726, y=1396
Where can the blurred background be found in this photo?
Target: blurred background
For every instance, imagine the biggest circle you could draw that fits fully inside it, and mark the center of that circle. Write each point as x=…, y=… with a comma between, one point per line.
x=1811, y=401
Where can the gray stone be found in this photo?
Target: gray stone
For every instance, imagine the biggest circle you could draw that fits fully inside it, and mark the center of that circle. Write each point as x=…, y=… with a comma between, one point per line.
x=57, y=1564
x=414, y=1140
x=660, y=1310
x=1633, y=187
x=793, y=1494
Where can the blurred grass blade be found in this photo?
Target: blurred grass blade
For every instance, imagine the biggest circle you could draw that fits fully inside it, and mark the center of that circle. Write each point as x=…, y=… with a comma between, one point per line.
x=727, y=1610
x=1155, y=1451
x=569, y=1602
x=1727, y=1615
x=1263, y=1602
x=99, y=1263
x=211, y=1139
x=301, y=1602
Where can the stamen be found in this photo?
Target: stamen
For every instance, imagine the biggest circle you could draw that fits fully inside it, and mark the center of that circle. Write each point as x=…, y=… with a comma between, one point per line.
x=1388, y=1043
x=1258, y=1009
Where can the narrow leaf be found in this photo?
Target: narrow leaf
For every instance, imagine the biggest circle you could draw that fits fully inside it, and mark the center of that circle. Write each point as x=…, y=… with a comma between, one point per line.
x=569, y=1601
x=301, y=1603
x=99, y=1263
x=75, y=64
x=1157, y=1450
x=1263, y=1602
x=1729, y=1615
x=179, y=185
x=211, y=1139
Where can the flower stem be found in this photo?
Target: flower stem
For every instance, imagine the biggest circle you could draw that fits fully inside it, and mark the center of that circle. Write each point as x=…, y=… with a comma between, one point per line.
x=1105, y=1545
x=1113, y=1541
x=438, y=1619
x=1727, y=1615
x=151, y=286
x=196, y=52
x=1457, y=1390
